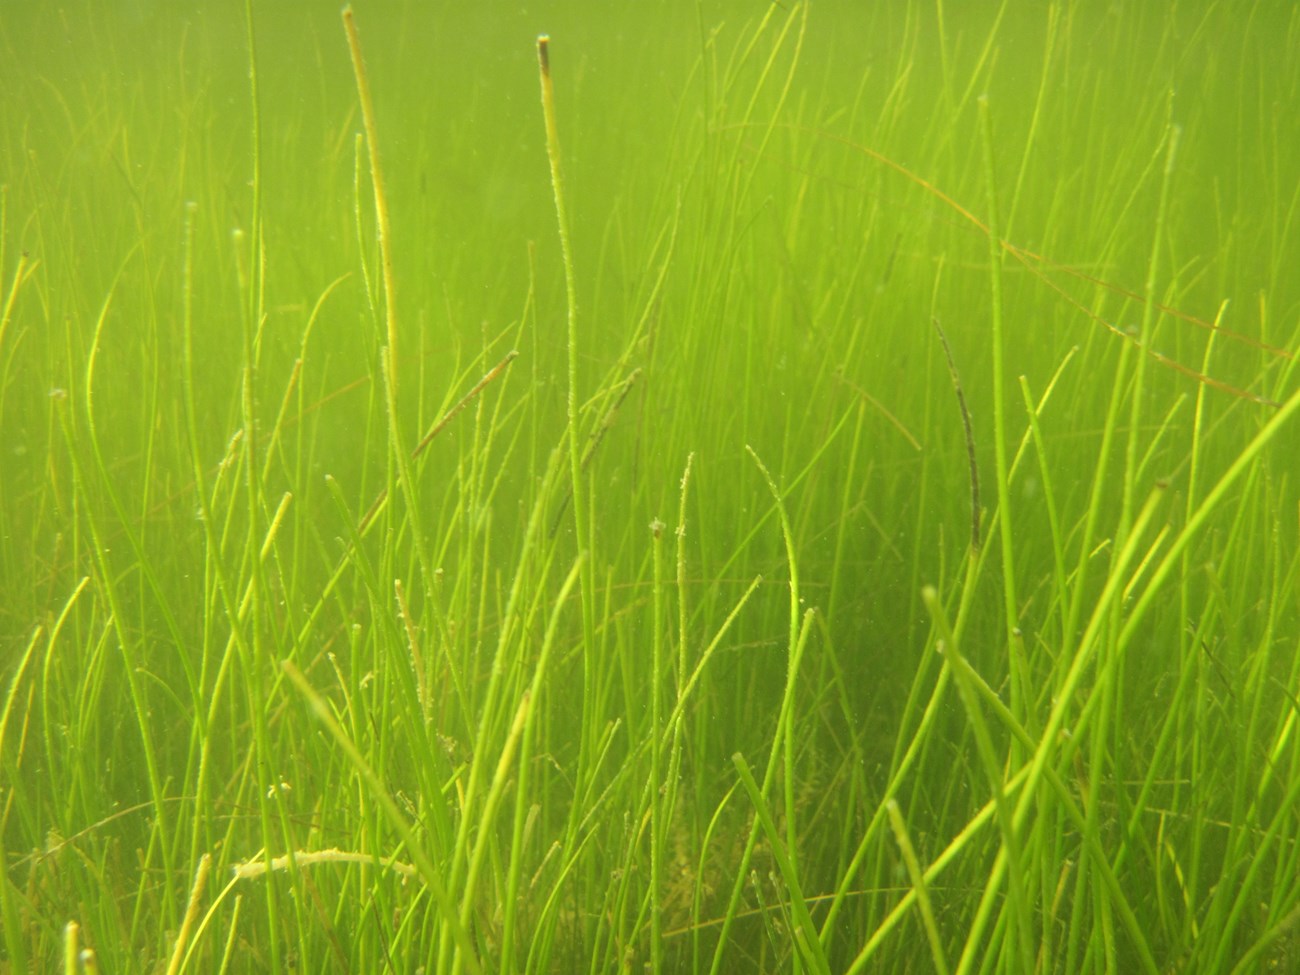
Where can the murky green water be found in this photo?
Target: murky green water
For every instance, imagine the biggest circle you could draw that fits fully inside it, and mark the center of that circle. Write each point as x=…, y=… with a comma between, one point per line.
x=307, y=563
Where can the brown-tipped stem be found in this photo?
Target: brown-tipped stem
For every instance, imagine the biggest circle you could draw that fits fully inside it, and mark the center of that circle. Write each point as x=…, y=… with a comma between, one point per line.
x=377, y=181
x=970, y=440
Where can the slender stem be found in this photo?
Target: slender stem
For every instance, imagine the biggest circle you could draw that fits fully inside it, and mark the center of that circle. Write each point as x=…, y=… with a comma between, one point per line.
x=428, y=872
x=1149, y=311
x=970, y=442
x=581, y=528
x=999, y=413
x=566, y=250
x=385, y=229
x=657, y=825
x=253, y=661
x=917, y=876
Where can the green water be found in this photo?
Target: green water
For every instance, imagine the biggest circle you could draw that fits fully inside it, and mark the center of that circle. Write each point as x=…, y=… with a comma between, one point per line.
x=719, y=673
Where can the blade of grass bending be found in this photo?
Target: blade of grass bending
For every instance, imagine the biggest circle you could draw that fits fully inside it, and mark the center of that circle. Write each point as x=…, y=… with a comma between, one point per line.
x=1175, y=721
x=428, y=873
x=1174, y=559
x=679, y=709
x=25, y=269
x=1082, y=658
x=977, y=822
x=487, y=815
x=769, y=775
x=127, y=643
x=672, y=729
x=191, y=913
x=1100, y=857
x=133, y=536
x=1020, y=905
x=1250, y=959
x=786, y=728
x=13, y=914
x=936, y=868
x=1031, y=773
x=900, y=765
x=794, y=482
x=914, y=872
x=1198, y=519
x=1260, y=860
x=513, y=871
x=367, y=521
x=907, y=748
x=491, y=702
x=393, y=636
x=1049, y=501
x=880, y=408
x=12, y=756
x=805, y=932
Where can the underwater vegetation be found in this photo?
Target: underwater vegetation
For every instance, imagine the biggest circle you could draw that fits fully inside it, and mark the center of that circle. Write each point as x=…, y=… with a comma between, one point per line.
x=704, y=487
